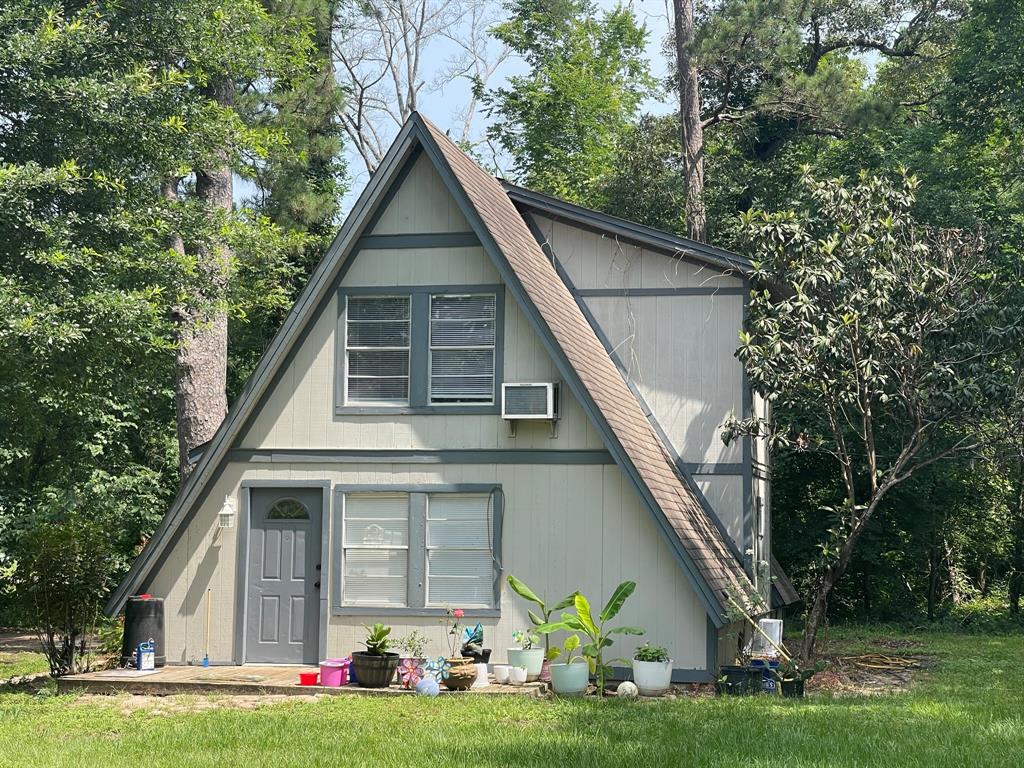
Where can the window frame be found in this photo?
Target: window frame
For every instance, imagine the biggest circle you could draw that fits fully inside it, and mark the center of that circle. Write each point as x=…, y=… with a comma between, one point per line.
x=419, y=350
x=345, y=548
x=417, y=550
x=347, y=349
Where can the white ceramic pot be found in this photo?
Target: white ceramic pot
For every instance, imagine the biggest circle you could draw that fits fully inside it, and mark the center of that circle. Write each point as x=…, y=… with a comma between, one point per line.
x=653, y=678
x=517, y=675
x=531, y=658
x=570, y=679
x=501, y=674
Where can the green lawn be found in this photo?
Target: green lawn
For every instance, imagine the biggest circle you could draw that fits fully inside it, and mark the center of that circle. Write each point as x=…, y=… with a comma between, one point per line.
x=968, y=711
x=16, y=664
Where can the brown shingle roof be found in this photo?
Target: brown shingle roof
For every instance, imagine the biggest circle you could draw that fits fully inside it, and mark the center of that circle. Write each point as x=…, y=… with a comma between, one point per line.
x=701, y=540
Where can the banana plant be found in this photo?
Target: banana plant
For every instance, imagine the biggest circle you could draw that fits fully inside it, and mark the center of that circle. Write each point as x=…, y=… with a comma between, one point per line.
x=545, y=613
x=598, y=635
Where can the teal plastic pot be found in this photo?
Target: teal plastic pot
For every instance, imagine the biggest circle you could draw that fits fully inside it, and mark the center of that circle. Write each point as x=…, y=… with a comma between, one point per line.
x=570, y=679
x=531, y=658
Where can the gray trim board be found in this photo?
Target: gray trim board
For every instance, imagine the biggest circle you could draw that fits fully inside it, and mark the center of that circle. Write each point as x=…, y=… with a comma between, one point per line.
x=242, y=559
x=419, y=349
x=667, y=291
x=746, y=447
x=419, y=456
x=418, y=240
x=416, y=585
x=631, y=231
x=610, y=349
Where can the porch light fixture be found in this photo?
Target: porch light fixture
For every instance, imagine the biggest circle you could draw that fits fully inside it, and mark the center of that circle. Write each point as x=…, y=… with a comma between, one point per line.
x=226, y=516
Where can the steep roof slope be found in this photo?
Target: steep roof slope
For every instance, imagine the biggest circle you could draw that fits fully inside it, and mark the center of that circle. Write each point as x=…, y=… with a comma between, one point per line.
x=701, y=542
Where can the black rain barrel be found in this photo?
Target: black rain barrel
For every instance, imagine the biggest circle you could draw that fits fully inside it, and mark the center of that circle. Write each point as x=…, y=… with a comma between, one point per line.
x=143, y=621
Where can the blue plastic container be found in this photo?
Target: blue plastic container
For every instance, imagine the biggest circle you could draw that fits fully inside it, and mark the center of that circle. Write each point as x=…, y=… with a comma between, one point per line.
x=768, y=681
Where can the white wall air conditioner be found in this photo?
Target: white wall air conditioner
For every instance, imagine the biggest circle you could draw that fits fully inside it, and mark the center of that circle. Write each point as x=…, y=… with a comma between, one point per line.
x=532, y=401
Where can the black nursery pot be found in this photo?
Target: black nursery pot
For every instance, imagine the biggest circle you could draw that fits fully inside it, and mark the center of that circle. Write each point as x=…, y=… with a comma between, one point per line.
x=373, y=671
x=479, y=657
x=793, y=689
x=741, y=681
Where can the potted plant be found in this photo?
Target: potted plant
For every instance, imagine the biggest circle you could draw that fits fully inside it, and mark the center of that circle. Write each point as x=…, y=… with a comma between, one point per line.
x=524, y=654
x=652, y=670
x=598, y=634
x=414, y=644
x=572, y=677
x=375, y=667
x=473, y=645
x=543, y=617
x=792, y=676
x=461, y=671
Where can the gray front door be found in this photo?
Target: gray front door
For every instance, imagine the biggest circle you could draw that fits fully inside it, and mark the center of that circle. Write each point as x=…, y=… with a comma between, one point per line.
x=282, y=613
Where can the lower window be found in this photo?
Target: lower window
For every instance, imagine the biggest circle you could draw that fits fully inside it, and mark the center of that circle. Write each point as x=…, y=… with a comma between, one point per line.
x=414, y=549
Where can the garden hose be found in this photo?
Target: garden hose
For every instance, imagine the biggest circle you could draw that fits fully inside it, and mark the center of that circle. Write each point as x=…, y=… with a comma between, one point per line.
x=881, y=661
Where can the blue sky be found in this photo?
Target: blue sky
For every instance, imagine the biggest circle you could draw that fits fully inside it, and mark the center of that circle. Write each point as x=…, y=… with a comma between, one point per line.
x=441, y=105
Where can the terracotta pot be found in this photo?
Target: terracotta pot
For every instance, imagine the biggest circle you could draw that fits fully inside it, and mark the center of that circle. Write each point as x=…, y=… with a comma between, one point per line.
x=462, y=674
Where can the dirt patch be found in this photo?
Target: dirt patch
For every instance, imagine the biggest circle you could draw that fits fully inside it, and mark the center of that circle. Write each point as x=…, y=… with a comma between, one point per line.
x=18, y=641
x=870, y=674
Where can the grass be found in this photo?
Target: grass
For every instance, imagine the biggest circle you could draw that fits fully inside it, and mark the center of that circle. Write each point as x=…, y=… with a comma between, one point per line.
x=968, y=711
x=21, y=664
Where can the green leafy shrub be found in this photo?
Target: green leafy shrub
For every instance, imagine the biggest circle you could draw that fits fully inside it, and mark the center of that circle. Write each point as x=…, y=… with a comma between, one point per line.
x=65, y=569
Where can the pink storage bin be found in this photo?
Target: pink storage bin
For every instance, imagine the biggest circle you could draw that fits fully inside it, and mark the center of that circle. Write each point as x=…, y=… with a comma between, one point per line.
x=334, y=672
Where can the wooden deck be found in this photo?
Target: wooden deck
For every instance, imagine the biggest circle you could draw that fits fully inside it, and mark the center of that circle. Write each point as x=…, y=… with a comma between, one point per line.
x=248, y=680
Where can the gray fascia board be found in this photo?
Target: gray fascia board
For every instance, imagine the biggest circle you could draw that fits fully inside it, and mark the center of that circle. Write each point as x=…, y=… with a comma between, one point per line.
x=712, y=604
x=320, y=284
x=629, y=230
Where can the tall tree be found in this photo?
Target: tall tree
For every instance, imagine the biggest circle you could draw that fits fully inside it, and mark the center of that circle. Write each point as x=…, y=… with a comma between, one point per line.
x=563, y=121
x=383, y=49
x=894, y=330
x=691, y=126
x=99, y=110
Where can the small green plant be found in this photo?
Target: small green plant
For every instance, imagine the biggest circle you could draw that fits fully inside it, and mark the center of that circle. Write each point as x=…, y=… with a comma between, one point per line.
x=596, y=633
x=414, y=644
x=571, y=643
x=525, y=639
x=544, y=616
x=791, y=670
x=648, y=652
x=377, y=641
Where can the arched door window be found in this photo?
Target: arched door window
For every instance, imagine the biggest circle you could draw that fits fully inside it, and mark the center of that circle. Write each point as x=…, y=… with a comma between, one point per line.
x=288, y=509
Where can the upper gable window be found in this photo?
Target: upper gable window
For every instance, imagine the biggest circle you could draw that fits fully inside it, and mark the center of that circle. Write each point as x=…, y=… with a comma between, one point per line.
x=377, y=339
x=420, y=349
x=462, y=336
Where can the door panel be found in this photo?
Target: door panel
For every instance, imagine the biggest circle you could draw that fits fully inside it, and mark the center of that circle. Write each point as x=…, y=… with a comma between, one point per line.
x=282, y=604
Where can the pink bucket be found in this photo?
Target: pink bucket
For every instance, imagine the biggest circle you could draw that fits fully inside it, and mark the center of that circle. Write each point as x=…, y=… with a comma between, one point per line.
x=334, y=672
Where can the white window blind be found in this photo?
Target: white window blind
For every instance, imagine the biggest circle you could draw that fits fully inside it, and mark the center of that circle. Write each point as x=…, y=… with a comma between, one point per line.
x=462, y=335
x=377, y=334
x=376, y=549
x=460, y=568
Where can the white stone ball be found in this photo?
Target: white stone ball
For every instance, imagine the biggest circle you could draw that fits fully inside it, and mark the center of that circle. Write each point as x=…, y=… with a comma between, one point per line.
x=627, y=690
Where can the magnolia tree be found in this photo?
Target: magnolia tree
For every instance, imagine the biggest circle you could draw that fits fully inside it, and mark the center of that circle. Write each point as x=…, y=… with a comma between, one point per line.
x=876, y=340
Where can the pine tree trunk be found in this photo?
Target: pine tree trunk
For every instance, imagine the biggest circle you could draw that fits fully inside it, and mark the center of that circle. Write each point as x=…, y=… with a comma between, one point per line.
x=691, y=128
x=202, y=356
